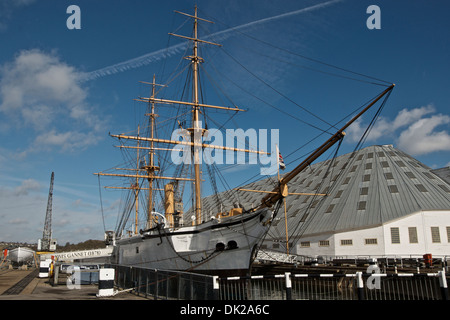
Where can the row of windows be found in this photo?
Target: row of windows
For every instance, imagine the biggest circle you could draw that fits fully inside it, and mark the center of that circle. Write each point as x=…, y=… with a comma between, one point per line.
x=412, y=234
x=344, y=242
x=367, y=178
x=395, y=238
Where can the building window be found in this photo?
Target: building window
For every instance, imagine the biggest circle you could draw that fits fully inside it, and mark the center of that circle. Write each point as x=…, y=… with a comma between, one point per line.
x=410, y=175
x=364, y=191
x=429, y=175
x=275, y=246
x=413, y=235
x=137, y=249
x=389, y=176
x=400, y=163
x=366, y=177
x=448, y=234
x=395, y=235
x=330, y=208
x=361, y=205
x=421, y=188
x=384, y=164
x=305, y=244
x=435, y=236
x=324, y=243
x=338, y=194
x=368, y=165
x=346, y=242
x=393, y=188
x=371, y=241
x=444, y=188
x=347, y=180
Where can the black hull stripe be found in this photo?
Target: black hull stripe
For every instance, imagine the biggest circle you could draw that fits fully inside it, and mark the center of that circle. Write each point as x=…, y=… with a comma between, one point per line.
x=212, y=227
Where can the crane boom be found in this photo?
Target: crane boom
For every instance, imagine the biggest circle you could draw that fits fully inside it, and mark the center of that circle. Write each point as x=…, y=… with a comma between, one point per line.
x=46, y=241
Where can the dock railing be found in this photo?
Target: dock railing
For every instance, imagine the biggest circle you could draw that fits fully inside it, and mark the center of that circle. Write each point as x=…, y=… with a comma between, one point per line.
x=172, y=285
x=357, y=286
x=164, y=284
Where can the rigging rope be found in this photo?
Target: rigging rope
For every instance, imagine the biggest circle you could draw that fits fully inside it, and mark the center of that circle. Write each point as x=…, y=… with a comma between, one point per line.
x=302, y=227
x=387, y=83
x=101, y=203
x=277, y=91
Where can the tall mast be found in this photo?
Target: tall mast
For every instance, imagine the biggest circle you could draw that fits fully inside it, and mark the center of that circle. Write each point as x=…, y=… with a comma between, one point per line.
x=151, y=158
x=196, y=130
x=136, y=189
x=196, y=133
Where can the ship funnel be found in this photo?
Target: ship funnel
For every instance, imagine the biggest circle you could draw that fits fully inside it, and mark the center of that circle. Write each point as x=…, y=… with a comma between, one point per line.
x=169, y=203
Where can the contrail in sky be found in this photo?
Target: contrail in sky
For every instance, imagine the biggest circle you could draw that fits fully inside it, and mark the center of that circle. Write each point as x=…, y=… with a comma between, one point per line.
x=167, y=52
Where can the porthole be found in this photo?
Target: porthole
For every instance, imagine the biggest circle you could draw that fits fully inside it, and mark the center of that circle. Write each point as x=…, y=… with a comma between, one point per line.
x=232, y=245
x=220, y=246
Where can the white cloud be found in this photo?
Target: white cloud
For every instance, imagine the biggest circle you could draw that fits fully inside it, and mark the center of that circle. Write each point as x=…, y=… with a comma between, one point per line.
x=413, y=130
x=43, y=93
x=18, y=221
x=68, y=141
x=384, y=126
x=34, y=77
x=421, y=137
x=27, y=186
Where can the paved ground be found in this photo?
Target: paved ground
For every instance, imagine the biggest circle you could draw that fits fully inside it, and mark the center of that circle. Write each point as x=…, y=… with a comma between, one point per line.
x=41, y=289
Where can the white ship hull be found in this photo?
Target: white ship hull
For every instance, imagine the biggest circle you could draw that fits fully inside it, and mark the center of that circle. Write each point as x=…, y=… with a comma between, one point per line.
x=215, y=247
x=20, y=255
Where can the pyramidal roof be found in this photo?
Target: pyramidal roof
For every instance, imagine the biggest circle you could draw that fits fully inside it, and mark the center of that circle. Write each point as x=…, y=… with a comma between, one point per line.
x=366, y=188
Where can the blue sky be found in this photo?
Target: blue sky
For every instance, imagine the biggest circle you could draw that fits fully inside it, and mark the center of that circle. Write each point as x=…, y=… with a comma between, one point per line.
x=62, y=91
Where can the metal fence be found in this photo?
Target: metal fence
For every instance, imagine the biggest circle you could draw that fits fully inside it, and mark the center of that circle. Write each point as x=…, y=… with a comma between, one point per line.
x=356, y=286
x=163, y=284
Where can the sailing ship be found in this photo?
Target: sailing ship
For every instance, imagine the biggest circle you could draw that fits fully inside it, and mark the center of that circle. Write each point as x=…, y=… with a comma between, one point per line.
x=224, y=242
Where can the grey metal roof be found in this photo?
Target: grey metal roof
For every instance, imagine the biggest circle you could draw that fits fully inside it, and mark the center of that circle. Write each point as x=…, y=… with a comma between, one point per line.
x=443, y=173
x=367, y=188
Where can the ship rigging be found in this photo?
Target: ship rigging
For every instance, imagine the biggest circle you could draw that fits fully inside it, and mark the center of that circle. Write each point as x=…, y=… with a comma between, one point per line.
x=223, y=240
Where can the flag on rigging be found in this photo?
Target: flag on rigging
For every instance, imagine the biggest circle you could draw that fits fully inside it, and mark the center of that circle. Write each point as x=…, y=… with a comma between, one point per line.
x=281, y=161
